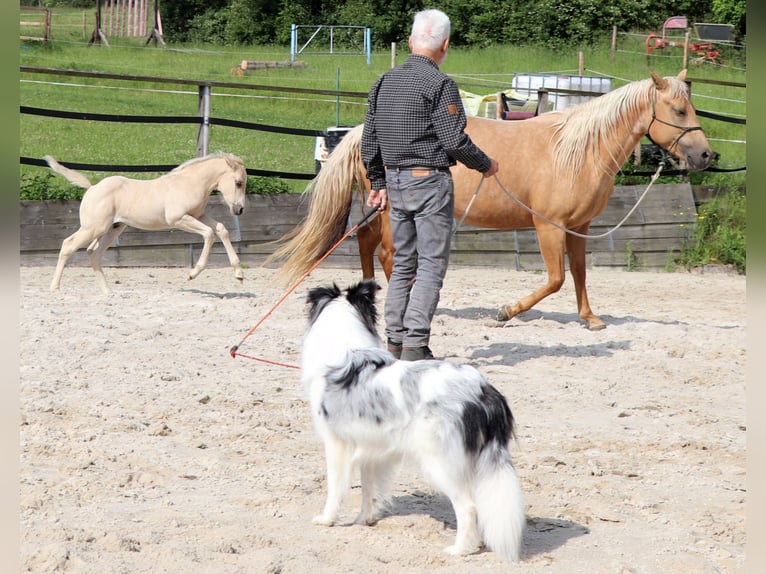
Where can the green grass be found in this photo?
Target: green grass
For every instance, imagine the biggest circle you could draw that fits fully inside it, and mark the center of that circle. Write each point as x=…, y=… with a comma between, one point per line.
x=719, y=234
x=481, y=71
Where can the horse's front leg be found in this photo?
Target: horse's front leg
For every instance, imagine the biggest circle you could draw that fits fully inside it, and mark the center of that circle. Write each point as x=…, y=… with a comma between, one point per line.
x=552, y=242
x=223, y=235
x=194, y=225
x=576, y=249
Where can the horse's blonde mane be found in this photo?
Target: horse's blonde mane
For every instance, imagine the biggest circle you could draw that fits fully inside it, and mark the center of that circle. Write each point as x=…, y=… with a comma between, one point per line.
x=587, y=126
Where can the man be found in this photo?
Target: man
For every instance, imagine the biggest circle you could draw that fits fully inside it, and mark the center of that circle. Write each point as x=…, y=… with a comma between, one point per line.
x=413, y=133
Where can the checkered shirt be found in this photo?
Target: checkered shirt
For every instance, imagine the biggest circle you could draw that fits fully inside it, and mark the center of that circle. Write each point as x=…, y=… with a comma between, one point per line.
x=416, y=118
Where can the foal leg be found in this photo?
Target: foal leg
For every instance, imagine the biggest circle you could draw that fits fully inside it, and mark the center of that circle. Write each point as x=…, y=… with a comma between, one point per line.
x=576, y=250
x=194, y=225
x=68, y=247
x=96, y=251
x=223, y=235
x=552, y=242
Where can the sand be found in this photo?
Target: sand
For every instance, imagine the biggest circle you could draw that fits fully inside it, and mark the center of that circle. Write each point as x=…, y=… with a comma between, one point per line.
x=146, y=448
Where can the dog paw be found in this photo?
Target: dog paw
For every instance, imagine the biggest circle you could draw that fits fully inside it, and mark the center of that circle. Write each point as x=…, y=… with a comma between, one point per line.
x=366, y=520
x=456, y=550
x=322, y=520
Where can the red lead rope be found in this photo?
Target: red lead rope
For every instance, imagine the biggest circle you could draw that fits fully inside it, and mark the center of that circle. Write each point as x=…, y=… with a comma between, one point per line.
x=234, y=351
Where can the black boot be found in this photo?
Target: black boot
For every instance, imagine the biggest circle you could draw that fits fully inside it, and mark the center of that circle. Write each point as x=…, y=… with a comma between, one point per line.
x=395, y=348
x=416, y=353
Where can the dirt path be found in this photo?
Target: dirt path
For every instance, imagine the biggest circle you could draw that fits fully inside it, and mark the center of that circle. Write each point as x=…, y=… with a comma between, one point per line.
x=146, y=448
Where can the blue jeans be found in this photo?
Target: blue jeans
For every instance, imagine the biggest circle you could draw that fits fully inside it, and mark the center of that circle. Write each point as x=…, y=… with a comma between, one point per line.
x=422, y=219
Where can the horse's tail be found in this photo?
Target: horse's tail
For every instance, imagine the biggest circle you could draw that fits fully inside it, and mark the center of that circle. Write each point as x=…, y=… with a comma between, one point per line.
x=328, y=210
x=73, y=176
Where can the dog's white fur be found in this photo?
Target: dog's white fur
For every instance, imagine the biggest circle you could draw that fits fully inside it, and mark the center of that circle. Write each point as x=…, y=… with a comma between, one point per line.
x=372, y=410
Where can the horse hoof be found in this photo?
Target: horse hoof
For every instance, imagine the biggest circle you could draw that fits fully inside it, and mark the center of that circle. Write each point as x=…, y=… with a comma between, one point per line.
x=504, y=315
x=593, y=326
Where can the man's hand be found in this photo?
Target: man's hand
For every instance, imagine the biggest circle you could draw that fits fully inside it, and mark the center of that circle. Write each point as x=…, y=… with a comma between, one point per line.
x=378, y=198
x=494, y=166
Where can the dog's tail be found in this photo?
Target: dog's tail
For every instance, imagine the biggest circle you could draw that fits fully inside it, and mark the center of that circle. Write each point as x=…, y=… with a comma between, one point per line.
x=73, y=176
x=499, y=502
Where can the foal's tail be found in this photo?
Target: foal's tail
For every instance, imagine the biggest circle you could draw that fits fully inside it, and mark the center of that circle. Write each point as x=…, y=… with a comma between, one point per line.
x=73, y=176
x=329, y=207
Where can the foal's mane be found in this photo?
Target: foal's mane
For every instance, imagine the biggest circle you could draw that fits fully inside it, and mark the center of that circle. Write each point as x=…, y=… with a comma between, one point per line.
x=230, y=158
x=587, y=126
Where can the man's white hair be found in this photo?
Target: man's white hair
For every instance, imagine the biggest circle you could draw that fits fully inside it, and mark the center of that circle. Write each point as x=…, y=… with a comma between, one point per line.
x=429, y=29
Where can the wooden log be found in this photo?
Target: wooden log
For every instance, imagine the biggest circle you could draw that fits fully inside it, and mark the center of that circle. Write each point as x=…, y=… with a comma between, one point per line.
x=246, y=65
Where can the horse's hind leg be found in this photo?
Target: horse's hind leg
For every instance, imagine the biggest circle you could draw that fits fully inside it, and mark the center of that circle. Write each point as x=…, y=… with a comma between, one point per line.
x=386, y=251
x=576, y=250
x=96, y=251
x=376, y=232
x=368, y=238
x=552, y=243
x=68, y=247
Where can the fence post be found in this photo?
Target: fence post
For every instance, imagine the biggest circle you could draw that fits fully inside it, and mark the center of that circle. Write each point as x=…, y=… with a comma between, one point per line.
x=203, y=133
x=368, y=45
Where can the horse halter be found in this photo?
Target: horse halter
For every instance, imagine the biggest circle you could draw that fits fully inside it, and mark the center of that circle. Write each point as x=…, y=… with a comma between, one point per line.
x=683, y=129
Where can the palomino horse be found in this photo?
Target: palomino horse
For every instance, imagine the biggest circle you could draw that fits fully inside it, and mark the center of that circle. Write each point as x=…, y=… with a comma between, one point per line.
x=560, y=164
x=176, y=200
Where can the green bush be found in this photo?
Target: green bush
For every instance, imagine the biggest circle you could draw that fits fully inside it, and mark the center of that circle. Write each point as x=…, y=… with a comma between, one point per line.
x=45, y=186
x=266, y=185
x=719, y=233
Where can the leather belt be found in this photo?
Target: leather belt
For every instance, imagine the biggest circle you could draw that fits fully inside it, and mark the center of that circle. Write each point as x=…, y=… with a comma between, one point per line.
x=418, y=171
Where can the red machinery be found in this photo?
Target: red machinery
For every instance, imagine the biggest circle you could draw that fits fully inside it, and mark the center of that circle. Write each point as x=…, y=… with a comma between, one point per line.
x=705, y=51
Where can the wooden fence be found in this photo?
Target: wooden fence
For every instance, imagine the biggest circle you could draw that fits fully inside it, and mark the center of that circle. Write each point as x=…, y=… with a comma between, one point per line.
x=35, y=17
x=650, y=238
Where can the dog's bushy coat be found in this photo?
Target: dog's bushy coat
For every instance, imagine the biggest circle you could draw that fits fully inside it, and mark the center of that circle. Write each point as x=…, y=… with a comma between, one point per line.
x=371, y=410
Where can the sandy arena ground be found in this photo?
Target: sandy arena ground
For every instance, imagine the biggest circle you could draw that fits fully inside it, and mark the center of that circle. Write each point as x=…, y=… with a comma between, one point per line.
x=146, y=448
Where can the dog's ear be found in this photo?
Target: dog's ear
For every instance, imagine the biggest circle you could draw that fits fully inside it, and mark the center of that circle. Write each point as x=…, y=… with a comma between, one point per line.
x=362, y=297
x=318, y=297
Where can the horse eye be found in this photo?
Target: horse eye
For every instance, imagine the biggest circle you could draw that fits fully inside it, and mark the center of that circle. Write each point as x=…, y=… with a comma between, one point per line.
x=681, y=112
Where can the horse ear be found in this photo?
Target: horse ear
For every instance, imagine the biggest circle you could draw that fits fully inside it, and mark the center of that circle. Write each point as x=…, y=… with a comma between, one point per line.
x=234, y=161
x=660, y=82
x=682, y=75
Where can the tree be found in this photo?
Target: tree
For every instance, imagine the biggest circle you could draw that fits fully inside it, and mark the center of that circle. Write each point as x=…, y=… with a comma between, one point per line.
x=732, y=12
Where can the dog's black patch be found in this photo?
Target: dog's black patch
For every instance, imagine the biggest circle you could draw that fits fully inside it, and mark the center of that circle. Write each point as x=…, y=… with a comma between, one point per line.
x=487, y=420
x=318, y=297
x=348, y=393
x=360, y=365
